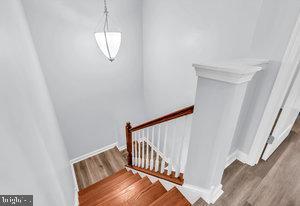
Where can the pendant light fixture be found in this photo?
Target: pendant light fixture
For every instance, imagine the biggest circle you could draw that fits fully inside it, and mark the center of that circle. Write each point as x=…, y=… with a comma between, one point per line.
x=107, y=37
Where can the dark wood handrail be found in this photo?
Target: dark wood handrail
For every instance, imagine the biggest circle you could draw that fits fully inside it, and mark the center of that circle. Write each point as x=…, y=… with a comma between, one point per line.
x=168, y=117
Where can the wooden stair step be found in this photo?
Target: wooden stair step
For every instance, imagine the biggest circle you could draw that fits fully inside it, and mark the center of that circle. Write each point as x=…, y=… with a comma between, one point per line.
x=109, y=191
x=148, y=195
x=171, y=178
x=106, y=186
x=105, y=180
x=121, y=198
x=172, y=198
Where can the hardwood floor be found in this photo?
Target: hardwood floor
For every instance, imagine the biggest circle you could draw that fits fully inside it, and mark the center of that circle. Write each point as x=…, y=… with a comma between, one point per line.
x=127, y=189
x=98, y=167
x=275, y=182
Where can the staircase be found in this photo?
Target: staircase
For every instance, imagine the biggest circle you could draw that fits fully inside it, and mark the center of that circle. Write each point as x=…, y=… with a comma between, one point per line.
x=159, y=147
x=127, y=188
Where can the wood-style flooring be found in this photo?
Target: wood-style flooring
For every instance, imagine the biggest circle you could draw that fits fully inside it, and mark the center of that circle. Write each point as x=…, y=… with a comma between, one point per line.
x=98, y=167
x=275, y=182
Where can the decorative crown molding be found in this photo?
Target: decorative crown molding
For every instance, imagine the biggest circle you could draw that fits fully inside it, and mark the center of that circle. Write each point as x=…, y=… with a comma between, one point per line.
x=234, y=72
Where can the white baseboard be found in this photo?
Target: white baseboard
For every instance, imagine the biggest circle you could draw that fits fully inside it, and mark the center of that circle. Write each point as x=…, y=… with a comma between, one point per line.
x=122, y=147
x=231, y=158
x=75, y=181
x=93, y=153
x=238, y=155
x=210, y=196
x=244, y=158
x=76, y=198
x=190, y=192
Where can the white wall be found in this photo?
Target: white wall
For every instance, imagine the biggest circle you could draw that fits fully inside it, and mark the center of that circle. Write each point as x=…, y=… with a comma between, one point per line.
x=93, y=97
x=274, y=27
x=257, y=95
x=32, y=154
x=179, y=33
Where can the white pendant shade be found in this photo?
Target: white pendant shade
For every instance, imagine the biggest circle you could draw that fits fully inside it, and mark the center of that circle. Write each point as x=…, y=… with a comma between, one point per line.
x=109, y=43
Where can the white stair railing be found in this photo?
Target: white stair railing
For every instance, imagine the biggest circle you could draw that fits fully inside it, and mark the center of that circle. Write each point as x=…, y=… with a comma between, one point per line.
x=159, y=147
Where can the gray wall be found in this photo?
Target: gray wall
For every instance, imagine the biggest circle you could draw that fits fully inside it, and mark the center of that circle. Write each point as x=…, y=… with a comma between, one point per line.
x=93, y=97
x=32, y=153
x=274, y=27
x=180, y=33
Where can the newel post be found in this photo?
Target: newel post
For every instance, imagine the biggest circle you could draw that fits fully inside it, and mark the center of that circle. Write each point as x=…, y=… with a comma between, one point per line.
x=129, y=142
x=220, y=93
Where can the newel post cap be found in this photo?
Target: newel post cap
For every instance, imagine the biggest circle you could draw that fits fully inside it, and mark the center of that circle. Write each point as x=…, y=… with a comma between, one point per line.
x=234, y=72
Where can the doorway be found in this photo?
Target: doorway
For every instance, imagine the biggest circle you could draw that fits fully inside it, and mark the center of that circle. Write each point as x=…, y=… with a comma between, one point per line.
x=286, y=117
x=276, y=101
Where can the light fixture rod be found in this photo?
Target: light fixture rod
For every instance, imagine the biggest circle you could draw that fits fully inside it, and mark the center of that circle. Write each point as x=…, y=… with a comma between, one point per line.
x=108, y=39
x=105, y=29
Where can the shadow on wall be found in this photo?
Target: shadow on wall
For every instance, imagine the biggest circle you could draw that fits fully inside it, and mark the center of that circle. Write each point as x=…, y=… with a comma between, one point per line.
x=257, y=96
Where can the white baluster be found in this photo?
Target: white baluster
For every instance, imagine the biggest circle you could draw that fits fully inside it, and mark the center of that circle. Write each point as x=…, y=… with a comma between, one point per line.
x=152, y=144
x=143, y=148
x=135, y=149
x=173, y=148
x=186, y=140
x=158, y=148
x=139, y=148
x=182, y=137
x=163, y=163
x=132, y=144
x=147, y=149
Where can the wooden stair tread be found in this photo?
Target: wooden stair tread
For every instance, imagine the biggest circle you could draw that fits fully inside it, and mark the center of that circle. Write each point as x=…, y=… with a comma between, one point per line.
x=109, y=191
x=172, y=198
x=171, y=178
x=148, y=195
x=104, y=187
x=105, y=180
x=122, y=197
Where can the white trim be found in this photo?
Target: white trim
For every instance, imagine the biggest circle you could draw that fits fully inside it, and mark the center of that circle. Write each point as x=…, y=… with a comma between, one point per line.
x=190, y=192
x=269, y=150
x=238, y=155
x=286, y=72
x=151, y=145
x=210, y=196
x=76, y=189
x=244, y=158
x=98, y=151
x=252, y=61
x=155, y=149
x=231, y=158
x=74, y=178
x=234, y=72
x=123, y=147
x=166, y=159
x=76, y=198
